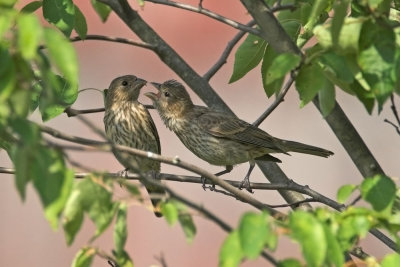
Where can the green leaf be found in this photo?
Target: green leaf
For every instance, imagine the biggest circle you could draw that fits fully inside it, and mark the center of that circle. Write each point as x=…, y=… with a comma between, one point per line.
x=92, y=196
x=170, y=212
x=52, y=181
x=334, y=252
x=281, y=65
x=253, y=232
x=275, y=87
x=231, y=253
x=123, y=260
x=72, y=216
x=6, y=21
x=63, y=55
x=337, y=64
x=327, y=99
x=29, y=35
x=248, y=56
x=60, y=13
x=188, y=226
x=32, y=7
x=309, y=81
x=379, y=191
x=84, y=257
x=344, y=192
x=309, y=232
x=102, y=10
x=7, y=3
x=7, y=75
x=58, y=95
x=353, y=225
x=289, y=263
x=348, y=40
x=391, y=260
x=120, y=229
x=377, y=60
x=80, y=23
x=340, y=7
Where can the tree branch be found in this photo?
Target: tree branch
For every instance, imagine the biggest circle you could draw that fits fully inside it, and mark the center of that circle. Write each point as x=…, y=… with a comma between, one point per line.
x=279, y=99
x=198, y=84
x=225, y=54
x=112, y=39
x=108, y=147
x=208, y=13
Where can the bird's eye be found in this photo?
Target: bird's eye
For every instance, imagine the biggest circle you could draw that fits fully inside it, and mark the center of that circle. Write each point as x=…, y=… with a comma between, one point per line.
x=124, y=83
x=166, y=94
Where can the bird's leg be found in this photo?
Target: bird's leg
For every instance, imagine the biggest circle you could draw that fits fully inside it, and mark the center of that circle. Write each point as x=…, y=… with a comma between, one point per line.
x=228, y=169
x=246, y=181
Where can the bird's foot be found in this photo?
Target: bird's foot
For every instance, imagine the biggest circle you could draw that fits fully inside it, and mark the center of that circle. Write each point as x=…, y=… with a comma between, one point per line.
x=246, y=184
x=205, y=187
x=124, y=174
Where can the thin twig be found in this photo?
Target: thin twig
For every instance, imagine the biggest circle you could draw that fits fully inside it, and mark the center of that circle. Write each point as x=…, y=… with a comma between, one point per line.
x=228, y=49
x=112, y=39
x=396, y=115
x=279, y=99
x=74, y=112
x=201, y=10
x=280, y=7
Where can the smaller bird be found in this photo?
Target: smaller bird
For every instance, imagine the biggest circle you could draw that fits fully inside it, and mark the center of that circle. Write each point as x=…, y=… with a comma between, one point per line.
x=127, y=122
x=219, y=138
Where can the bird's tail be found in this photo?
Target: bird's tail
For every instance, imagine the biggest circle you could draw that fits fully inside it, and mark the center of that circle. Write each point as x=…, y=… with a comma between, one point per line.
x=292, y=146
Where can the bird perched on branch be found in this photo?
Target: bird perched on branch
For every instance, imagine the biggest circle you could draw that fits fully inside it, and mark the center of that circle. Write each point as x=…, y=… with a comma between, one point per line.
x=127, y=122
x=217, y=137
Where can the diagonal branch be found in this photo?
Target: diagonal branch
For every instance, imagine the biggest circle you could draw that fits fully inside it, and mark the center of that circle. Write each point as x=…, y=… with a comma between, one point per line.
x=112, y=39
x=224, y=56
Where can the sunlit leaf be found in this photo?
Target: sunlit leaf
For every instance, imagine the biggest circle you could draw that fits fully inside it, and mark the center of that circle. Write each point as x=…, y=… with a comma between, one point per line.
x=29, y=34
x=309, y=232
x=379, y=191
x=170, y=212
x=120, y=229
x=231, y=253
x=391, y=260
x=344, y=192
x=84, y=257
x=60, y=13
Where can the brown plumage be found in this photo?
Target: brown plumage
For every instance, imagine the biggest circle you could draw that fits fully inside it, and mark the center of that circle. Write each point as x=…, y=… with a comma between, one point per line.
x=216, y=137
x=127, y=122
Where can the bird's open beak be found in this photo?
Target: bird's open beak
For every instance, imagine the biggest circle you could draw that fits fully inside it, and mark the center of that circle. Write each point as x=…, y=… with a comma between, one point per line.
x=141, y=82
x=154, y=96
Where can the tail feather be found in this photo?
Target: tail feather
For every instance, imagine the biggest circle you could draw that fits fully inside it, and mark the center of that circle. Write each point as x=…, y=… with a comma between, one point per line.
x=292, y=146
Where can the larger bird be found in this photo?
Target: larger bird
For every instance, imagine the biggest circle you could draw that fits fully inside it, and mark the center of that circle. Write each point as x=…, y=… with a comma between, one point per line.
x=127, y=122
x=217, y=137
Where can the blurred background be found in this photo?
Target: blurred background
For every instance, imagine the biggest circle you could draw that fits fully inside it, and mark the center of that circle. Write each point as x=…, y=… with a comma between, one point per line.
x=26, y=238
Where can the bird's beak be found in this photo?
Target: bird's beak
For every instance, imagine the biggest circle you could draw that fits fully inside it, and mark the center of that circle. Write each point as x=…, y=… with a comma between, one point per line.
x=140, y=82
x=154, y=96
x=156, y=85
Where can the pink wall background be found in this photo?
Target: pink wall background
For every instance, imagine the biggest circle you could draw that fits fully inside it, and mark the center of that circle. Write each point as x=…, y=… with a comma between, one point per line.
x=25, y=236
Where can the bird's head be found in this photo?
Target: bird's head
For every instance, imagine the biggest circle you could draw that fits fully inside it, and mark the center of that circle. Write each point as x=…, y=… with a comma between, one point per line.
x=171, y=100
x=124, y=88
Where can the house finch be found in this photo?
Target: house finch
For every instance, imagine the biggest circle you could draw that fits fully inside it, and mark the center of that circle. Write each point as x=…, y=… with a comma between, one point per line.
x=127, y=122
x=219, y=138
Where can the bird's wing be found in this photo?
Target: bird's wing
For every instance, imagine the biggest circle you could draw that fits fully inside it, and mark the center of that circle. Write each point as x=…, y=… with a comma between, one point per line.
x=223, y=125
x=154, y=131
